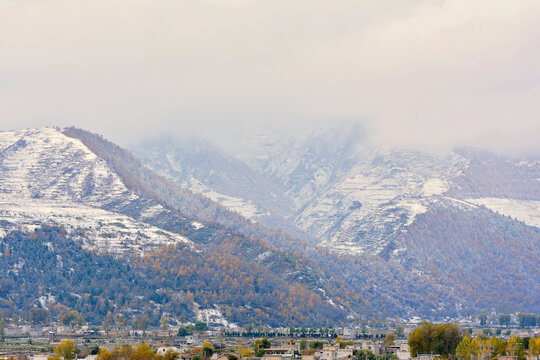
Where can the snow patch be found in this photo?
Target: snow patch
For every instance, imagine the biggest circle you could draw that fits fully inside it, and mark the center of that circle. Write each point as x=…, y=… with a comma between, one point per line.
x=98, y=229
x=197, y=225
x=246, y=208
x=434, y=186
x=45, y=300
x=263, y=256
x=213, y=317
x=527, y=211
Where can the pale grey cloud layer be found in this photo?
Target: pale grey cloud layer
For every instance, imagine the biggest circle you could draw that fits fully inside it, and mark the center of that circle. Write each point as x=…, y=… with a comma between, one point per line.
x=415, y=73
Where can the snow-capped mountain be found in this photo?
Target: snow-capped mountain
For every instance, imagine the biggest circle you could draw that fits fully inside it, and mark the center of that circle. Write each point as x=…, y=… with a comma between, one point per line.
x=353, y=196
x=347, y=193
x=378, y=197
x=69, y=189
x=48, y=178
x=197, y=165
x=363, y=206
x=414, y=217
x=376, y=219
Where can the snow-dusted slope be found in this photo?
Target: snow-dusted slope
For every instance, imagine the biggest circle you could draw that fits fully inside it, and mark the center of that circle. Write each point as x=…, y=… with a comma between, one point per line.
x=336, y=186
x=45, y=164
x=49, y=178
x=244, y=207
x=97, y=228
x=527, y=211
x=349, y=194
x=204, y=169
x=378, y=198
x=352, y=195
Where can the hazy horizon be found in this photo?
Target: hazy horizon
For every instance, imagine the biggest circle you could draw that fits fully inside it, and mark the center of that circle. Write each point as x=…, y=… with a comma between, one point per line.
x=430, y=75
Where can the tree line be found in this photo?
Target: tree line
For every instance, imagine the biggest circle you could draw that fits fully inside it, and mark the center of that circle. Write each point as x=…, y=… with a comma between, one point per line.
x=449, y=340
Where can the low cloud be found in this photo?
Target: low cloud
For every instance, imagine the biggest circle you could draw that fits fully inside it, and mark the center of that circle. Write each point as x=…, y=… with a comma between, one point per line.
x=423, y=74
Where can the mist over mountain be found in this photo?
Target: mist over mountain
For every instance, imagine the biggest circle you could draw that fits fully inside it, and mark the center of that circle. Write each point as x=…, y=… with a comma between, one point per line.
x=60, y=184
x=341, y=187
x=346, y=230
x=421, y=74
x=298, y=163
x=354, y=197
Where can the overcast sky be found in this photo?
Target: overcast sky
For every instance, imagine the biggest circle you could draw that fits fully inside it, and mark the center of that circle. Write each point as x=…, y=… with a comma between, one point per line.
x=428, y=74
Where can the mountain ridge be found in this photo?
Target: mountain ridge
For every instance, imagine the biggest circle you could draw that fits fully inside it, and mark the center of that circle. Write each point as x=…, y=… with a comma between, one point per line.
x=106, y=200
x=104, y=221
x=355, y=198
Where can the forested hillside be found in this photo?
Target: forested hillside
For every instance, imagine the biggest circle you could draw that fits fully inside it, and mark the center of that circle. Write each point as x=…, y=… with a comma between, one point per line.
x=145, y=182
x=47, y=269
x=223, y=230
x=385, y=218
x=480, y=255
x=490, y=175
x=74, y=204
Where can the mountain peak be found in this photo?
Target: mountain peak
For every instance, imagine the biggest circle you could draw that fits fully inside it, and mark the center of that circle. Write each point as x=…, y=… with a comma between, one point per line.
x=47, y=177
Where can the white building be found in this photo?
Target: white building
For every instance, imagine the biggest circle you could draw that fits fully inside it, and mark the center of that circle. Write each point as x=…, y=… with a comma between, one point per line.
x=404, y=352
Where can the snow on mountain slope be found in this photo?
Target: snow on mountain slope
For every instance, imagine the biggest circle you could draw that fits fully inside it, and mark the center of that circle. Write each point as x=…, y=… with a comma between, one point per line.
x=304, y=168
x=355, y=197
x=244, y=207
x=378, y=198
x=10, y=137
x=46, y=164
x=96, y=228
x=337, y=187
x=349, y=194
x=492, y=176
x=202, y=168
x=49, y=178
x=527, y=211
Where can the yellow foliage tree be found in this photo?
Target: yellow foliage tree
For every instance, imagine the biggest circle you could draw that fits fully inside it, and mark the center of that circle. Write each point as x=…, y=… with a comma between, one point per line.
x=104, y=354
x=534, y=347
x=66, y=350
x=207, y=350
x=143, y=352
x=389, y=339
x=462, y=350
x=243, y=351
x=474, y=349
